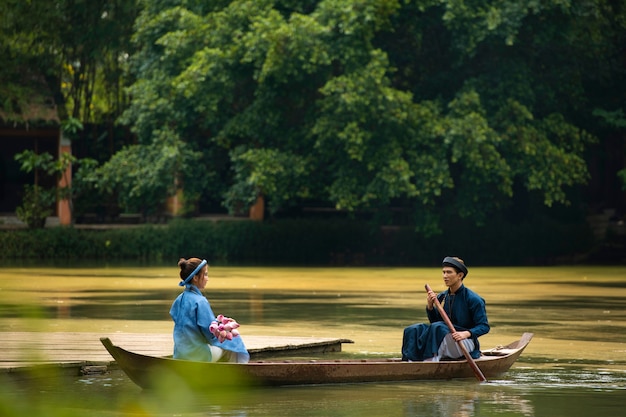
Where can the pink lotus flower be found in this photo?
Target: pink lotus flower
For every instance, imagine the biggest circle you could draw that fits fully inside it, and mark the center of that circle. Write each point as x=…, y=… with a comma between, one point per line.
x=230, y=326
x=224, y=328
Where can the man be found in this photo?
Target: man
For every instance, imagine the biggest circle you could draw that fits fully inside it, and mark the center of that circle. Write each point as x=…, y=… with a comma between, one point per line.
x=465, y=309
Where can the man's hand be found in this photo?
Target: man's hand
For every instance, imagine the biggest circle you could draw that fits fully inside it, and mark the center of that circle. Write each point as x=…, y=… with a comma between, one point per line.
x=458, y=336
x=430, y=299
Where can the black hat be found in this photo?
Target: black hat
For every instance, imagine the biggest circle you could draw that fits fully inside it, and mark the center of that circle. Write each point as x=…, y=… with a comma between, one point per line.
x=450, y=261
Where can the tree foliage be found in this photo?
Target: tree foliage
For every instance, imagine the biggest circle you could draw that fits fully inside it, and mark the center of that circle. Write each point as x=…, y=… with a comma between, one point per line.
x=437, y=106
x=65, y=54
x=143, y=176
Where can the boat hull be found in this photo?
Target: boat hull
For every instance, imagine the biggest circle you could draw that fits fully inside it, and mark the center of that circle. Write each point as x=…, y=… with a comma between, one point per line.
x=145, y=370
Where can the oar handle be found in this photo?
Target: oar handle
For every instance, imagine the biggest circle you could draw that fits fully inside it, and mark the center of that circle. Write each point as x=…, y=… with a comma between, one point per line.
x=470, y=360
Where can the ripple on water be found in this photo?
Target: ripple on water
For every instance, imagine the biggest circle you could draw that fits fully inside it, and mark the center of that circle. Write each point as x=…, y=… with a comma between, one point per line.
x=566, y=377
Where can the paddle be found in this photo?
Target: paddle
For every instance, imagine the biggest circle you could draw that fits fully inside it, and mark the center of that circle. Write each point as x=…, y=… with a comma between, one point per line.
x=470, y=360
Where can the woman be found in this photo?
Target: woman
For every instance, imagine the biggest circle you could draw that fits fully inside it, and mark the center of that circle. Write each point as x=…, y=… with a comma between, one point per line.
x=465, y=309
x=193, y=315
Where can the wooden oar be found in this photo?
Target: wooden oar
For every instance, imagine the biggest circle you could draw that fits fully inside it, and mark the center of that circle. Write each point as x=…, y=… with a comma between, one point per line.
x=470, y=360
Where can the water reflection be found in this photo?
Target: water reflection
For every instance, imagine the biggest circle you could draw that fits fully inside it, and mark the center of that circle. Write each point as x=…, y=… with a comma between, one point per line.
x=256, y=308
x=522, y=392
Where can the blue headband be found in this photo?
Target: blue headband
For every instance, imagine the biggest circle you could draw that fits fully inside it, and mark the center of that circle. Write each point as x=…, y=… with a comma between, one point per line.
x=193, y=274
x=458, y=265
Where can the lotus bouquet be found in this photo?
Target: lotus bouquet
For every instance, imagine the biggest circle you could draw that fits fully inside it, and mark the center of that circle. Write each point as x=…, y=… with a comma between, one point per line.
x=224, y=328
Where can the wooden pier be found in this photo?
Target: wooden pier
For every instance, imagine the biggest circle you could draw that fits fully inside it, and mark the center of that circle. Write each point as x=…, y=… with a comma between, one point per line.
x=22, y=350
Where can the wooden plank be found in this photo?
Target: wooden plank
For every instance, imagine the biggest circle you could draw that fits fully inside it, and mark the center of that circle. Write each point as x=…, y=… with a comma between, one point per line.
x=23, y=349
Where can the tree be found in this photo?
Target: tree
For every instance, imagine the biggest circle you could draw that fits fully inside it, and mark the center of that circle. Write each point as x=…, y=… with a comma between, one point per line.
x=441, y=107
x=63, y=63
x=38, y=200
x=617, y=121
x=64, y=54
x=142, y=177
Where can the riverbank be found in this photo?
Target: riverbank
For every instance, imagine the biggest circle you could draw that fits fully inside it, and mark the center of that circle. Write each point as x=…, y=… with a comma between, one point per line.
x=313, y=242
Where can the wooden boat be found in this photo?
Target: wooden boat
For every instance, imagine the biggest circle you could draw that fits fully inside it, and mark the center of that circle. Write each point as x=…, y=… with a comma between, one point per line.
x=145, y=371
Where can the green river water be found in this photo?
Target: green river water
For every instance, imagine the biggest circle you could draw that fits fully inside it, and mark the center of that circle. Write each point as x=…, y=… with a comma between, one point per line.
x=574, y=366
